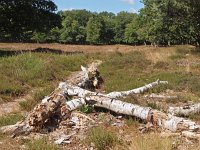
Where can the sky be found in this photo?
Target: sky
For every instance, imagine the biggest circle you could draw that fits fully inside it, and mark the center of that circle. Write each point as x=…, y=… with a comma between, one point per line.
x=114, y=6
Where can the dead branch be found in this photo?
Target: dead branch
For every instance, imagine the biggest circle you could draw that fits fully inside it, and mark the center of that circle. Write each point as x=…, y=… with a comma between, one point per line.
x=88, y=78
x=185, y=110
x=159, y=96
x=137, y=90
x=55, y=107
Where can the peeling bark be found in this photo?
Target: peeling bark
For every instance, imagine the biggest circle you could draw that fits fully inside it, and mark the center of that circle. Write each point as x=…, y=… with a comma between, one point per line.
x=158, y=118
x=185, y=110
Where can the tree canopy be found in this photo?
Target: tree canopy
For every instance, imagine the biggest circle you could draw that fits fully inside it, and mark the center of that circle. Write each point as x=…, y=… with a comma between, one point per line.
x=163, y=22
x=20, y=18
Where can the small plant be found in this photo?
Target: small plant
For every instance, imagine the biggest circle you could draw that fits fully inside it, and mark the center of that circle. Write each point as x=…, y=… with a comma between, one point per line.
x=102, y=116
x=10, y=119
x=86, y=109
x=132, y=122
x=102, y=138
x=41, y=144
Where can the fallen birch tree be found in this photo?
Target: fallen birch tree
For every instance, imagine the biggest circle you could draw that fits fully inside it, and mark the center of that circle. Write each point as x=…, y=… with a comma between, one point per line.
x=159, y=96
x=185, y=110
x=73, y=95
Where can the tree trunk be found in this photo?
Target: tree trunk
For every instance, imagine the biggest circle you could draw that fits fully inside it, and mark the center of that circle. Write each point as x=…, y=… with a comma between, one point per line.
x=185, y=110
x=147, y=114
x=55, y=107
x=158, y=96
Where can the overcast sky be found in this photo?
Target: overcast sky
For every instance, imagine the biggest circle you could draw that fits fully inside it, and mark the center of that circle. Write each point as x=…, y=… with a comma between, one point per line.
x=114, y=6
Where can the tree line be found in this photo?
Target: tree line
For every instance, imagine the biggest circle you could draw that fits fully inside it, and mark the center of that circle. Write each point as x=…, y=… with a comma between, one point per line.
x=162, y=22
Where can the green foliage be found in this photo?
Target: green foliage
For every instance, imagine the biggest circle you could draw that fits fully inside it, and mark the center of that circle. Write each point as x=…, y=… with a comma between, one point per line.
x=10, y=119
x=94, y=30
x=121, y=21
x=162, y=22
x=39, y=37
x=41, y=144
x=26, y=16
x=131, y=35
x=102, y=138
x=86, y=109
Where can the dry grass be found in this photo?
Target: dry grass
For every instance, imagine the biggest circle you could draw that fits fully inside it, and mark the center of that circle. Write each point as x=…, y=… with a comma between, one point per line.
x=82, y=48
x=151, y=142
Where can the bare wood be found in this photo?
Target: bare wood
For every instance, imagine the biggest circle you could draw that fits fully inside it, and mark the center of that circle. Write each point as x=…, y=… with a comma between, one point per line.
x=87, y=78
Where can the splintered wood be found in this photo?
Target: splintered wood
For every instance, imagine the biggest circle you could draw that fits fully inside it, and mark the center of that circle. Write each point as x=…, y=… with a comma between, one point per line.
x=79, y=90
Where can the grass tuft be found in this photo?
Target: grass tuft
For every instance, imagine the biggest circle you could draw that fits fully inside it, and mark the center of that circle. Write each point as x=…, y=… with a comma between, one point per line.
x=41, y=144
x=10, y=119
x=101, y=138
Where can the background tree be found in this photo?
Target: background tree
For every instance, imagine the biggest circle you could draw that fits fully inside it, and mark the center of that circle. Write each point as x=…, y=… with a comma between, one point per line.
x=18, y=17
x=94, y=30
x=121, y=21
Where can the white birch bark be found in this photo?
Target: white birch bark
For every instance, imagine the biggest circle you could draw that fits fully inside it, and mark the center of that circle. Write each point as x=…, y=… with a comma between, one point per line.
x=165, y=121
x=158, y=96
x=77, y=91
x=49, y=106
x=185, y=110
x=137, y=90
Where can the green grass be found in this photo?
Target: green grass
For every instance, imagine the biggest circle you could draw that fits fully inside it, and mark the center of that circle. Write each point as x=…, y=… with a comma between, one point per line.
x=120, y=71
x=123, y=71
x=132, y=122
x=10, y=119
x=41, y=144
x=18, y=74
x=102, y=138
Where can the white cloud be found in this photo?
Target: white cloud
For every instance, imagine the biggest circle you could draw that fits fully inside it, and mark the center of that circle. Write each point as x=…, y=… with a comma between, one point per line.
x=129, y=1
x=132, y=10
x=68, y=9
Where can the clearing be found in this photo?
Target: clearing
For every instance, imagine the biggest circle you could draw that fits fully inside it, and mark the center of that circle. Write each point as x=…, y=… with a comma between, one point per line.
x=26, y=78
